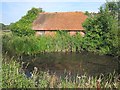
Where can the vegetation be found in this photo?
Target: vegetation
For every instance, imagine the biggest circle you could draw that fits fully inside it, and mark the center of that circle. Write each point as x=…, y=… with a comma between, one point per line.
x=102, y=30
x=101, y=37
x=4, y=27
x=62, y=42
x=14, y=78
x=23, y=27
x=114, y=8
x=101, y=33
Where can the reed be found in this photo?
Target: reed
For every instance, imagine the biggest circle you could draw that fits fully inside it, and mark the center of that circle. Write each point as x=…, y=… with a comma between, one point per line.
x=12, y=78
x=30, y=45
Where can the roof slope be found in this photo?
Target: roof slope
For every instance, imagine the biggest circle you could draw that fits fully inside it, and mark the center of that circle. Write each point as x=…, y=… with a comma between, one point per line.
x=59, y=21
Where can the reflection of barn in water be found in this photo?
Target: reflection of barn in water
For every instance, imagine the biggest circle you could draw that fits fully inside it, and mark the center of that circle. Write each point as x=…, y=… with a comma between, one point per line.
x=73, y=62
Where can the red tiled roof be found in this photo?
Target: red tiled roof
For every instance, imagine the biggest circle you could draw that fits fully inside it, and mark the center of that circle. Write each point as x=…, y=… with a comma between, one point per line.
x=59, y=21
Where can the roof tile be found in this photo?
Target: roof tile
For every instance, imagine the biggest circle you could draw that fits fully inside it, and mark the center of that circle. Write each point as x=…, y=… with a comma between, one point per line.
x=59, y=21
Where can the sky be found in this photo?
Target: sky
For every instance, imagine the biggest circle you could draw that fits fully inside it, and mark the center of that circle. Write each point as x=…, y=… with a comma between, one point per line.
x=13, y=11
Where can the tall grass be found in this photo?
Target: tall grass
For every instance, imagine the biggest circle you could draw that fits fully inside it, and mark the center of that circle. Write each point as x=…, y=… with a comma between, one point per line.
x=62, y=42
x=13, y=78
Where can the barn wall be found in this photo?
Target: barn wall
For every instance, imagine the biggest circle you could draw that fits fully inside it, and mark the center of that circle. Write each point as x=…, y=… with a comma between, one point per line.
x=52, y=33
x=39, y=33
x=72, y=33
x=82, y=34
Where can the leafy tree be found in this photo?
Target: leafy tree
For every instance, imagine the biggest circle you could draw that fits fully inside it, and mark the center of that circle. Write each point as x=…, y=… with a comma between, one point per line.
x=90, y=14
x=101, y=33
x=4, y=27
x=87, y=13
x=114, y=9
x=24, y=26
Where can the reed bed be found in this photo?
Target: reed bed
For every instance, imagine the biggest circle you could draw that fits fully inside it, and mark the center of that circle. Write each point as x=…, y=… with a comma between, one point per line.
x=13, y=78
x=30, y=45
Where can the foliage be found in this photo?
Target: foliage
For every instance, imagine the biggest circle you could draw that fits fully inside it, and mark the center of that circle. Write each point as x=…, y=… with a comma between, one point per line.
x=23, y=27
x=113, y=7
x=90, y=14
x=4, y=27
x=12, y=78
x=87, y=13
x=101, y=33
x=33, y=45
x=102, y=30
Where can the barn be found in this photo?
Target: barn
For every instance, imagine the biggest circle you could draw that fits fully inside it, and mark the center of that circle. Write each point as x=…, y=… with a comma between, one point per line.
x=47, y=23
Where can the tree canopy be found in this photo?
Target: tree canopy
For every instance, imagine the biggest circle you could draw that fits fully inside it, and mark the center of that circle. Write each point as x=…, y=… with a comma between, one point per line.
x=102, y=32
x=23, y=27
x=4, y=27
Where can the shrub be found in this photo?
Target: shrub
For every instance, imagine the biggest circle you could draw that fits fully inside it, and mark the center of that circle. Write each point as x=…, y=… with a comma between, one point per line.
x=23, y=27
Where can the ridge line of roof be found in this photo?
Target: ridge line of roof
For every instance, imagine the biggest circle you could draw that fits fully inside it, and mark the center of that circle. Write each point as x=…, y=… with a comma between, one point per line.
x=60, y=12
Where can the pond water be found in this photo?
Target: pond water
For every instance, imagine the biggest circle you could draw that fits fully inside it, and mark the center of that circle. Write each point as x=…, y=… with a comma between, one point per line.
x=74, y=63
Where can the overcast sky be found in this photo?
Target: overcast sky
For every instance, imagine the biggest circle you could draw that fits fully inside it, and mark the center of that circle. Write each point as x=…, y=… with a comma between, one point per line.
x=13, y=11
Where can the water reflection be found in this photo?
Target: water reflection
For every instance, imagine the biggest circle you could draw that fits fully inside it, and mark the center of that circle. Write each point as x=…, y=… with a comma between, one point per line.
x=74, y=63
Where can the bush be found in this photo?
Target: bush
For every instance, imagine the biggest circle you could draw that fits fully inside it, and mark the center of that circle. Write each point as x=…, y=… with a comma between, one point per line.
x=23, y=27
x=101, y=33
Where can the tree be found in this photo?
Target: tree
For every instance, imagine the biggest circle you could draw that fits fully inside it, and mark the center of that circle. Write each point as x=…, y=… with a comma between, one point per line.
x=101, y=33
x=113, y=7
x=4, y=27
x=23, y=27
x=87, y=13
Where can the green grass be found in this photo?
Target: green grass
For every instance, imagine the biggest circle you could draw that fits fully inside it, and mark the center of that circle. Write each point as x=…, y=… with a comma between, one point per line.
x=11, y=78
x=34, y=45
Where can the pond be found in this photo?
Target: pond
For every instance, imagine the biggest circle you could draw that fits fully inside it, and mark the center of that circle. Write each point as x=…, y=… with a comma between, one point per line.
x=74, y=63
